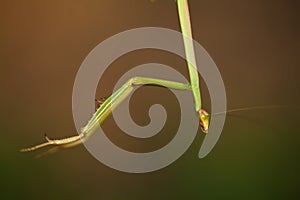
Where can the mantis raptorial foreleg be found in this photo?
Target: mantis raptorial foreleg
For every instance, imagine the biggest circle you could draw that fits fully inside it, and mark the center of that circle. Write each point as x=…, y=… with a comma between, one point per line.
x=105, y=109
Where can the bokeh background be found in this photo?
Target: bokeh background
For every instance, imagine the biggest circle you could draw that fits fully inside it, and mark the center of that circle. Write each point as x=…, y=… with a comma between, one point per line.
x=256, y=47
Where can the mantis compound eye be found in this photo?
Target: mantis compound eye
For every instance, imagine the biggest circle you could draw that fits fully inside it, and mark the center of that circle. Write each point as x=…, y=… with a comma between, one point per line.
x=204, y=120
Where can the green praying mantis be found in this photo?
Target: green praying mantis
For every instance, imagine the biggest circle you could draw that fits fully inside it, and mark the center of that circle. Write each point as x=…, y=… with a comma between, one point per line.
x=112, y=102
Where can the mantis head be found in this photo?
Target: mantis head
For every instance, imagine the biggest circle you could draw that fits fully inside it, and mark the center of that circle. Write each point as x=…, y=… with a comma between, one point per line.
x=204, y=120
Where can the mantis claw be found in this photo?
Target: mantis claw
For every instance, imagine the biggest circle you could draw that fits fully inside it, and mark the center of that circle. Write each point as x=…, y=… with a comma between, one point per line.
x=48, y=139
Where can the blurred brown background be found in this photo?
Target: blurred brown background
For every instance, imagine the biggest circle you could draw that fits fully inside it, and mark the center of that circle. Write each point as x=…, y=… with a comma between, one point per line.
x=256, y=47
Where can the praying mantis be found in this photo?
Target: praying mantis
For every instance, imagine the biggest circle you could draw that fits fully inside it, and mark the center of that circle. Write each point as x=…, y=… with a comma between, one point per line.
x=112, y=102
